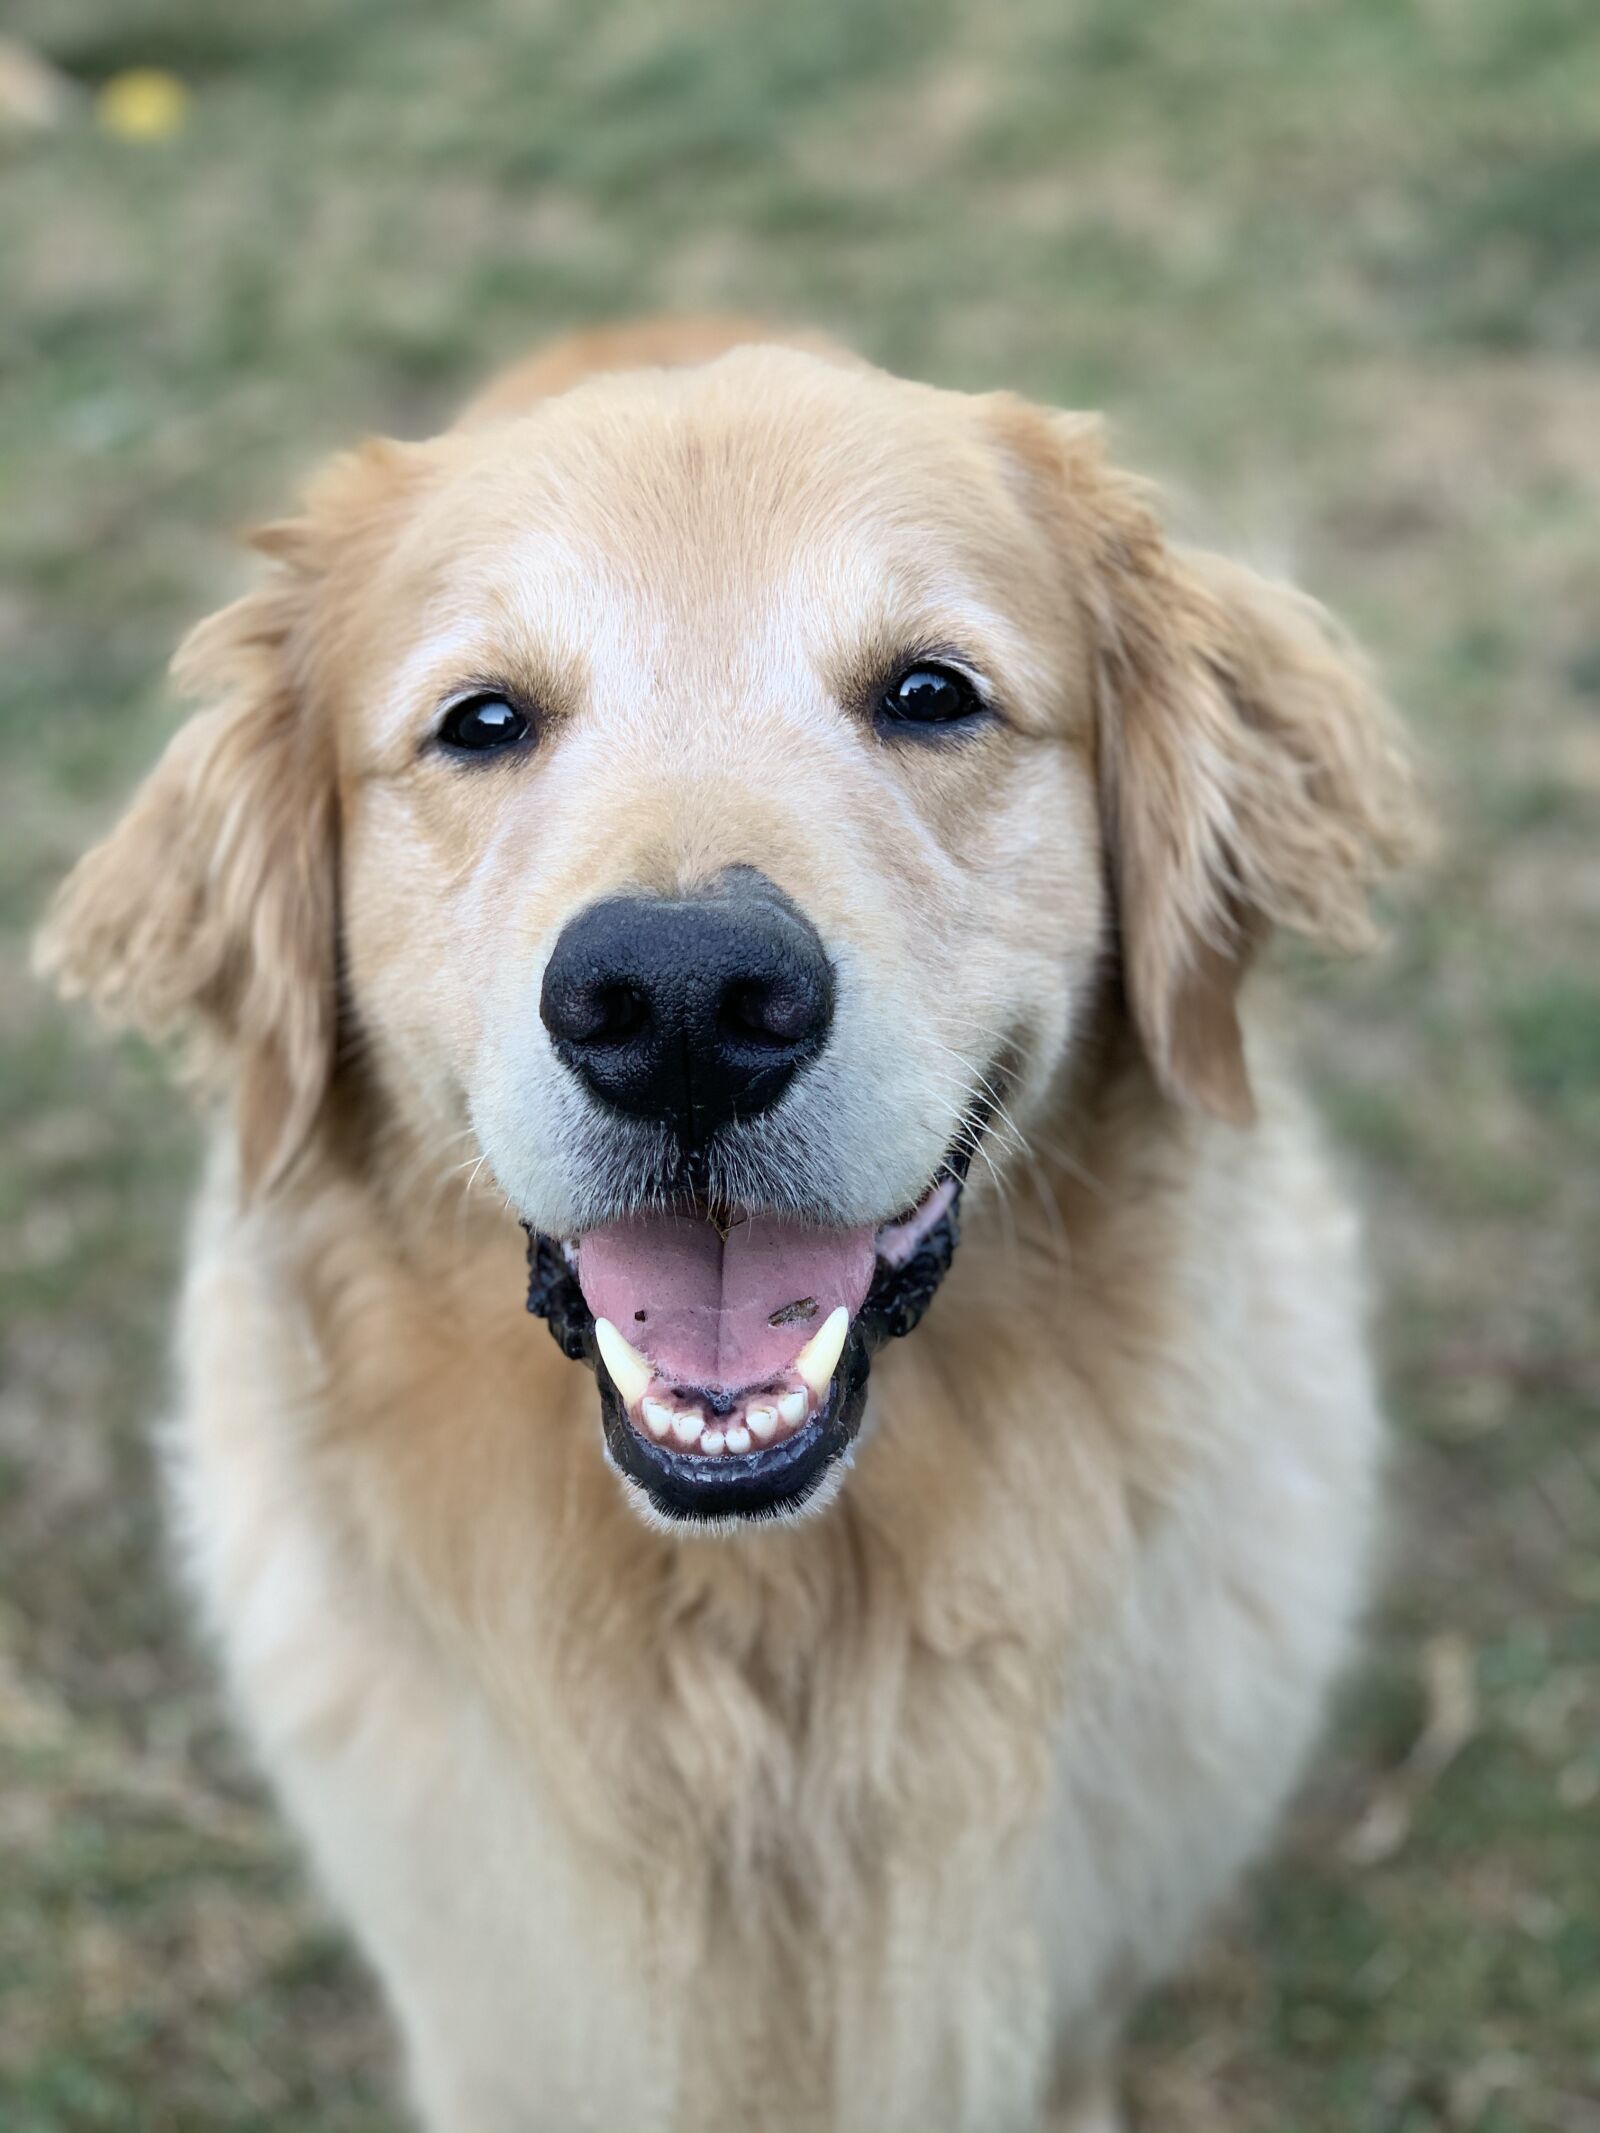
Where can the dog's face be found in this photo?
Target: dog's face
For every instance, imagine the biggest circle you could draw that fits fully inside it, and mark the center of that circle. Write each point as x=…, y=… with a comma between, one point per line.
x=720, y=841
x=724, y=797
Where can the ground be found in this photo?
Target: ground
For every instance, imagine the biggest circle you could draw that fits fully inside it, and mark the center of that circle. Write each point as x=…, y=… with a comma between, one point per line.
x=1331, y=270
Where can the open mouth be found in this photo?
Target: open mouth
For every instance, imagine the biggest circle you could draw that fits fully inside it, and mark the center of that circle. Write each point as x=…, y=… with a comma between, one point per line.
x=732, y=1347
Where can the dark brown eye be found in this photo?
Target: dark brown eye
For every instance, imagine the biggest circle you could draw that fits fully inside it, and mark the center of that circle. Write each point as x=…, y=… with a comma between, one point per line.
x=480, y=724
x=930, y=696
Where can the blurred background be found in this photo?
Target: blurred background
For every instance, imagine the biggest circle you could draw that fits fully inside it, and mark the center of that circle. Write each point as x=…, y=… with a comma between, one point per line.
x=1334, y=271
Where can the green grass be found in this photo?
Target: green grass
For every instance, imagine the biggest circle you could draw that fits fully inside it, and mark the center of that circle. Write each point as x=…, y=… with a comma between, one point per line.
x=1331, y=269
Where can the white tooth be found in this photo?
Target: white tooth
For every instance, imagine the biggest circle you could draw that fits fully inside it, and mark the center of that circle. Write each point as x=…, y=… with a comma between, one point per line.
x=657, y=1418
x=792, y=1407
x=686, y=1427
x=763, y=1421
x=630, y=1373
x=712, y=1441
x=738, y=1440
x=819, y=1358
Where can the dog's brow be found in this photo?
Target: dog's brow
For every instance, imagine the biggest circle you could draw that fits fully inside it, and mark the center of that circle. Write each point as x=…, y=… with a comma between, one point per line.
x=532, y=610
x=876, y=607
x=451, y=652
x=499, y=630
x=878, y=602
x=442, y=650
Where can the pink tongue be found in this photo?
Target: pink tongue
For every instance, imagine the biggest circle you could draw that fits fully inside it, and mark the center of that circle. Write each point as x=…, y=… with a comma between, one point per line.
x=701, y=1307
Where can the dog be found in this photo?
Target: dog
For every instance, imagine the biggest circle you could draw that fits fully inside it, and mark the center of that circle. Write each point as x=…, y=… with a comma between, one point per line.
x=782, y=848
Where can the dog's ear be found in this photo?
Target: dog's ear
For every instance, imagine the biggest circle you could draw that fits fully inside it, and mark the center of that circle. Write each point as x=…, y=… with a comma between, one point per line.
x=209, y=911
x=1251, y=776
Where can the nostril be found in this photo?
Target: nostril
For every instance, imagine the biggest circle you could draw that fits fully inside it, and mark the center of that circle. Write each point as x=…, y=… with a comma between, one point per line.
x=755, y=1009
x=596, y=1011
x=614, y=1014
x=773, y=1012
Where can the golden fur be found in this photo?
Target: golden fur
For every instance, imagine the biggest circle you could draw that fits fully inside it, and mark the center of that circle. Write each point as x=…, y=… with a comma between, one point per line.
x=881, y=1820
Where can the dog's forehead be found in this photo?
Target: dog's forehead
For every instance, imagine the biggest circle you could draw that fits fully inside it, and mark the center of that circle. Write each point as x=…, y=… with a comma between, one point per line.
x=771, y=500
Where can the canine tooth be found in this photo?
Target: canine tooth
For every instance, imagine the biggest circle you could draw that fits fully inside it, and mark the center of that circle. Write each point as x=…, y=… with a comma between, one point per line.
x=657, y=1418
x=686, y=1427
x=763, y=1421
x=738, y=1440
x=630, y=1373
x=819, y=1358
x=713, y=1441
x=792, y=1407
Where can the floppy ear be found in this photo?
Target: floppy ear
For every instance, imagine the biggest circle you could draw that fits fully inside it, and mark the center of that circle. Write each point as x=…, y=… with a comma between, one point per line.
x=1251, y=779
x=1250, y=773
x=210, y=909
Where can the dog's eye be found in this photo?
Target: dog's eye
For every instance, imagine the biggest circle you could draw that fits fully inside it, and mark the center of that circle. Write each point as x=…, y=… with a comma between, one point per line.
x=481, y=723
x=930, y=696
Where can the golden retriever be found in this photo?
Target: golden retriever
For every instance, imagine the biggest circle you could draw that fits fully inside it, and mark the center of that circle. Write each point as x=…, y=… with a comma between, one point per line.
x=738, y=817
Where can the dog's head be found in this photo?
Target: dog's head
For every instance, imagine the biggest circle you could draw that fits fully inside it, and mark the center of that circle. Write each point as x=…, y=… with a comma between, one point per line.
x=721, y=799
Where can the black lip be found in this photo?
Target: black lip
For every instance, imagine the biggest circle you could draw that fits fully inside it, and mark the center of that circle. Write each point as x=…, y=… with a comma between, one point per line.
x=779, y=1478
x=751, y=1485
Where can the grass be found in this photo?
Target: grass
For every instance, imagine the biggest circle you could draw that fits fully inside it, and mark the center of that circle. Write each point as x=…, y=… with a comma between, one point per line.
x=1330, y=267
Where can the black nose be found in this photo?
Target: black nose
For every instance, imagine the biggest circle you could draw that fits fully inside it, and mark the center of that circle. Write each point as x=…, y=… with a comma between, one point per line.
x=692, y=1012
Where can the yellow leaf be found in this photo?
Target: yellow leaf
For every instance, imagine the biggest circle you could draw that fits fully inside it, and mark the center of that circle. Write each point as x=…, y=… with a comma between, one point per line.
x=143, y=104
